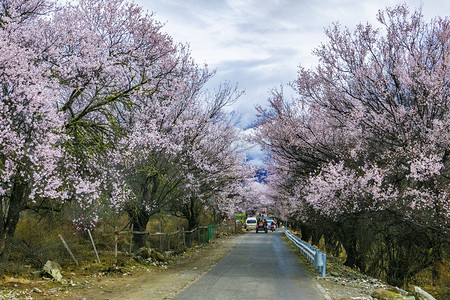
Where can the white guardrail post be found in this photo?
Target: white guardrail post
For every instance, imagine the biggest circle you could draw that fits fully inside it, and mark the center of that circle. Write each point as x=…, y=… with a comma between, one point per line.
x=313, y=255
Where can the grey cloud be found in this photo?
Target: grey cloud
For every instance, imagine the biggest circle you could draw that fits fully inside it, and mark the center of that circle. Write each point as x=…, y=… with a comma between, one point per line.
x=280, y=33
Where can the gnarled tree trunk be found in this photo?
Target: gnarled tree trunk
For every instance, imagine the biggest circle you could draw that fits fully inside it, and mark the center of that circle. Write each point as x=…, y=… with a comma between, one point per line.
x=10, y=208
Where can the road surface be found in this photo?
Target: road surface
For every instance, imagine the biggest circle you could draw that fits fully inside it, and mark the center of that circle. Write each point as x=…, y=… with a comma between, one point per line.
x=264, y=266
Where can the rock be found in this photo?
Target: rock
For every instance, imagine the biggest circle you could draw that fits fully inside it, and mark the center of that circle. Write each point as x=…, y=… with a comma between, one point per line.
x=382, y=294
x=397, y=290
x=37, y=291
x=422, y=295
x=139, y=259
x=334, y=274
x=53, y=269
x=144, y=255
x=159, y=256
x=144, y=252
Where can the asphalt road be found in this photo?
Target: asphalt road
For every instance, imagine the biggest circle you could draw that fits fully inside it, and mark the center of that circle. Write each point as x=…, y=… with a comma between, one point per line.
x=264, y=266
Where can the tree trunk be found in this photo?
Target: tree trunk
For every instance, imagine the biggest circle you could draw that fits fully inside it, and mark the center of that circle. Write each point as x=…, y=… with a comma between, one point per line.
x=10, y=214
x=351, y=251
x=316, y=236
x=146, y=194
x=192, y=212
x=306, y=231
x=346, y=230
x=140, y=225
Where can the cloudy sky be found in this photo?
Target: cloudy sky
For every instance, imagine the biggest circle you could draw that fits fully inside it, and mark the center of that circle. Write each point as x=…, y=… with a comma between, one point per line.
x=259, y=44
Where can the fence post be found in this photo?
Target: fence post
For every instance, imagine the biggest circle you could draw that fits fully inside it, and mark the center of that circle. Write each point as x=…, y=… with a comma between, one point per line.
x=184, y=238
x=93, y=245
x=324, y=268
x=68, y=249
x=160, y=237
x=168, y=241
x=116, y=240
x=131, y=238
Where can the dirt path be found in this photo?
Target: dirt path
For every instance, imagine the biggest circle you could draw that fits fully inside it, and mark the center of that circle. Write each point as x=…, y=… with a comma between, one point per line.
x=160, y=283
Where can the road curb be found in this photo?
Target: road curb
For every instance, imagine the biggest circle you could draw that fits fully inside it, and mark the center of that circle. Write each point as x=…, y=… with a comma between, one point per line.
x=322, y=290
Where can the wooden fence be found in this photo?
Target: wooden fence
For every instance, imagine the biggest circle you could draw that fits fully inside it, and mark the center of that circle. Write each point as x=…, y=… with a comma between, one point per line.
x=180, y=239
x=104, y=245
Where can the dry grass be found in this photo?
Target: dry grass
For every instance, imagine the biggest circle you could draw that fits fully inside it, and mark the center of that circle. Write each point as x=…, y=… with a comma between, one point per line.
x=37, y=240
x=440, y=288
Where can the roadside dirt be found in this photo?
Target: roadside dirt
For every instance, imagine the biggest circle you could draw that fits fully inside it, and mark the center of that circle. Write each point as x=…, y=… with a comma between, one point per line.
x=162, y=282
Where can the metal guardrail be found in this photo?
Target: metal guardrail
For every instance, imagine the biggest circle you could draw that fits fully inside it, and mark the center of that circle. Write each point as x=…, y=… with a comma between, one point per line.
x=313, y=255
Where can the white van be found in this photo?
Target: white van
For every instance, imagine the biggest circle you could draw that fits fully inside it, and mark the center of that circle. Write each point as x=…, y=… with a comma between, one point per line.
x=250, y=223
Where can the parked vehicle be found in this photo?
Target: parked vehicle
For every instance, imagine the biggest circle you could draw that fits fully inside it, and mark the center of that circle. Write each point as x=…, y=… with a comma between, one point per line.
x=250, y=223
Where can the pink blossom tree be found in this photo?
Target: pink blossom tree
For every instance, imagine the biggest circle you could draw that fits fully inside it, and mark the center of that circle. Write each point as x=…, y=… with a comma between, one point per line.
x=216, y=171
x=369, y=130
x=389, y=98
x=184, y=156
x=31, y=127
x=100, y=107
x=101, y=55
x=130, y=93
